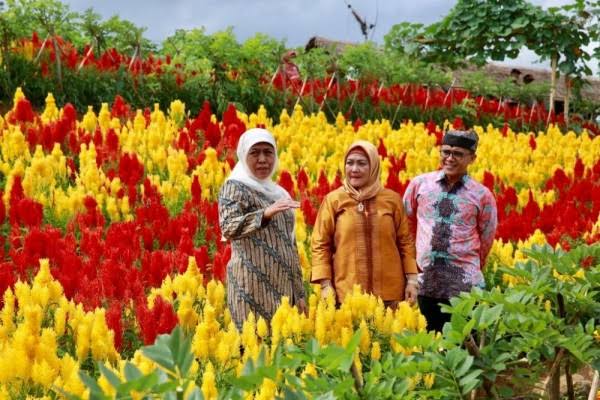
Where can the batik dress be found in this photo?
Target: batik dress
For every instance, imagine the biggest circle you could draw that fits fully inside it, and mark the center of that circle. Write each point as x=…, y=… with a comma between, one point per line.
x=264, y=263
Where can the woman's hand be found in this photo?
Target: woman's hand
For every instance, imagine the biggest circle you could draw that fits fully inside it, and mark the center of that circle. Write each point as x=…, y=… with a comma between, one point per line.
x=327, y=289
x=411, y=291
x=301, y=304
x=279, y=206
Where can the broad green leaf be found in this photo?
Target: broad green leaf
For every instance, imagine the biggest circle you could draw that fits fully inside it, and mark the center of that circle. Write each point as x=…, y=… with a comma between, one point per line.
x=289, y=394
x=131, y=372
x=181, y=348
x=196, y=394
x=336, y=358
x=96, y=391
x=464, y=368
x=141, y=384
x=111, y=377
x=491, y=315
x=161, y=354
x=470, y=381
x=468, y=328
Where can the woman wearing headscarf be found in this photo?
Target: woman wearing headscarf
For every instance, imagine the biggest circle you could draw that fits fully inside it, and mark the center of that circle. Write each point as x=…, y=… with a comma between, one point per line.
x=257, y=216
x=362, y=236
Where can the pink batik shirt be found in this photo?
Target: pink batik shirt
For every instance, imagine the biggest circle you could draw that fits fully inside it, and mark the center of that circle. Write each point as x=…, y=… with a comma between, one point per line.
x=455, y=229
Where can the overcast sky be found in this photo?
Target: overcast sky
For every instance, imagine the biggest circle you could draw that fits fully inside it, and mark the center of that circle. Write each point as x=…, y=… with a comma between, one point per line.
x=296, y=21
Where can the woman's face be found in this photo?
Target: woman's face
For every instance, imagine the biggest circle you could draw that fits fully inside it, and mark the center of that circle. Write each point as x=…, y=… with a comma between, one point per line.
x=260, y=160
x=357, y=168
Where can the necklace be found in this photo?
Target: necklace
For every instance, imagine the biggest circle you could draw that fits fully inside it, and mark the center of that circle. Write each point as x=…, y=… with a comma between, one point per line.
x=361, y=207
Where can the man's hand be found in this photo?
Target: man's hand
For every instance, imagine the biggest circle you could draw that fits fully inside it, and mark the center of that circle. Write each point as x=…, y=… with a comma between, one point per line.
x=279, y=206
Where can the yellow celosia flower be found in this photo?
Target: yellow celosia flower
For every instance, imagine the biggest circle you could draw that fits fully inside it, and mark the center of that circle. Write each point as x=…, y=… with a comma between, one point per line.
x=51, y=112
x=209, y=387
x=267, y=391
x=429, y=380
x=261, y=328
x=89, y=120
x=310, y=370
x=375, y=351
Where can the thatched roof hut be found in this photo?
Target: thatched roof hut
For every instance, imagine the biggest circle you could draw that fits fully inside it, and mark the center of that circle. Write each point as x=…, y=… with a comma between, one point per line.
x=500, y=72
x=525, y=75
x=334, y=46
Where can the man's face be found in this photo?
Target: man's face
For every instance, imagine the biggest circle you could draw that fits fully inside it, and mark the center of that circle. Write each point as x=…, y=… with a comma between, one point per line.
x=260, y=160
x=455, y=160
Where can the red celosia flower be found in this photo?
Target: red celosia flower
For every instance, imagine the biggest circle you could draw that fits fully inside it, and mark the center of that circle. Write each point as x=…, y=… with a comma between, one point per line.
x=302, y=180
x=285, y=181
x=114, y=322
x=24, y=111
x=196, y=191
x=161, y=319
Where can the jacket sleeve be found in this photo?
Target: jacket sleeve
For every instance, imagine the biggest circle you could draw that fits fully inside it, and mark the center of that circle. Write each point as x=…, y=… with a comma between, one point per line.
x=322, y=242
x=235, y=223
x=405, y=240
x=487, y=222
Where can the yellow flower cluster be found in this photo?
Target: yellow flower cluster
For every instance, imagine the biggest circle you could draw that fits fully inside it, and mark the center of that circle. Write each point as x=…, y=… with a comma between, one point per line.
x=33, y=319
x=306, y=142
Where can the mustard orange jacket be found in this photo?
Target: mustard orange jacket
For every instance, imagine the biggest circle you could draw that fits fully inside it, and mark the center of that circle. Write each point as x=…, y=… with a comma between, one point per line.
x=373, y=247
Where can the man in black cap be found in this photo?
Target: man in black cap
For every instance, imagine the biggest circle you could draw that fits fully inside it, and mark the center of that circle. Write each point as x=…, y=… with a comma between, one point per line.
x=455, y=219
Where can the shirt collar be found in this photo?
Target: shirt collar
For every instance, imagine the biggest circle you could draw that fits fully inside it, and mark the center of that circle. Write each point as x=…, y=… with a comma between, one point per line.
x=441, y=177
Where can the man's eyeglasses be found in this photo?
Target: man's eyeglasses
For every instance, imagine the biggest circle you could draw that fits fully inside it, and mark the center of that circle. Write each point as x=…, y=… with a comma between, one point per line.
x=458, y=155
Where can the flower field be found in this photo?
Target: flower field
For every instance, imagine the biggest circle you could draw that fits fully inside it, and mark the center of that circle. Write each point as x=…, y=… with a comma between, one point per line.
x=110, y=238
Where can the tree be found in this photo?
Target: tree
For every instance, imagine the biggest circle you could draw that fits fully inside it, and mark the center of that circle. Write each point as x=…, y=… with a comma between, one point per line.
x=479, y=30
x=94, y=29
x=127, y=37
x=404, y=39
x=51, y=17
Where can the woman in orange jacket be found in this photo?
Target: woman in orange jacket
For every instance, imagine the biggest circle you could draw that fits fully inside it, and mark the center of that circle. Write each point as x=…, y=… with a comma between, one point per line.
x=362, y=235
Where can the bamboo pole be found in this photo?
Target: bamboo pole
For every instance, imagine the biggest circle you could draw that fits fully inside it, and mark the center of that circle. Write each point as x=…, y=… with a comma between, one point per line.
x=595, y=384
x=41, y=48
x=85, y=57
x=327, y=91
x=301, y=91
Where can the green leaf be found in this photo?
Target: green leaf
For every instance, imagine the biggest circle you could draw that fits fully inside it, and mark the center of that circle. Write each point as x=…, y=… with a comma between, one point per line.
x=161, y=354
x=96, y=391
x=312, y=347
x=289, y=394
x=491, y=315
x=464, y=368
x=326, y=396
x=165, y=387
x=454, y=357
x=131, y=372
x=468, y=327
x=470, y=381
x=196, y=394
x=111, y=377
x=181, y=348
x=140, y=384
x=336, y=358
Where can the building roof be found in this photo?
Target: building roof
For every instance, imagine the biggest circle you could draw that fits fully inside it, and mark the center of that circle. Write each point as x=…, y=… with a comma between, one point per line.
x=328, y=44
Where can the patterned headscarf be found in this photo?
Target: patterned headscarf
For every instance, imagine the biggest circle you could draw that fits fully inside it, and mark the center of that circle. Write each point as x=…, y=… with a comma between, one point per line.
x=373, y=185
